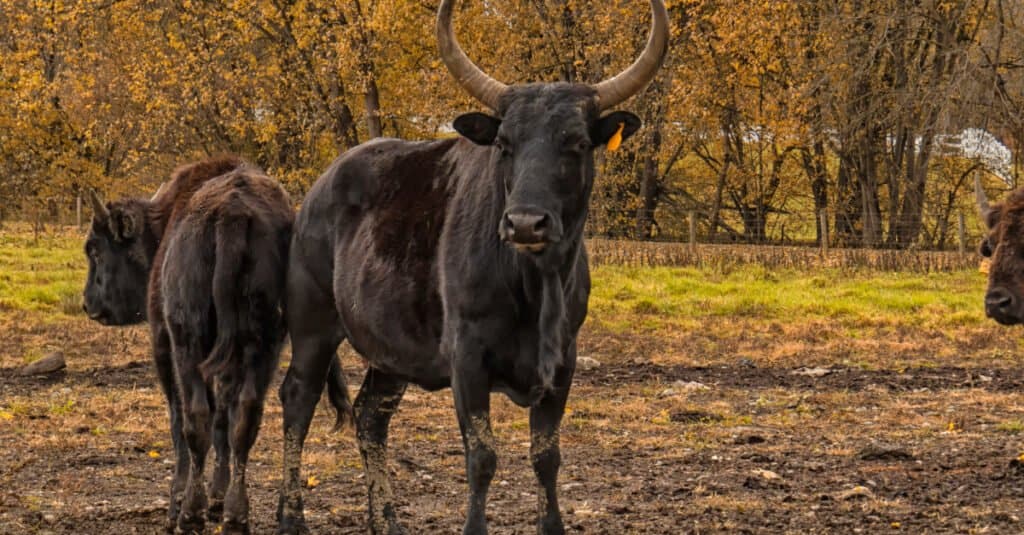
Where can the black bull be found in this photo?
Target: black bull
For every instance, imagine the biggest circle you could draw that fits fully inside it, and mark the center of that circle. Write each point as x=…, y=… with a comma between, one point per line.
x=456, y=263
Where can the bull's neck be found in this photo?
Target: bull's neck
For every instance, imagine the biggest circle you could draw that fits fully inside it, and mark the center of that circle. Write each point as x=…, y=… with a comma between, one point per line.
x=155, y=227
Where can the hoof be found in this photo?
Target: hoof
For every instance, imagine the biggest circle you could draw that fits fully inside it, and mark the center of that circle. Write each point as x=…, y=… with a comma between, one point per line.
x=216, y=510
x=190, y=525
x=236, y=528
x=292, y=527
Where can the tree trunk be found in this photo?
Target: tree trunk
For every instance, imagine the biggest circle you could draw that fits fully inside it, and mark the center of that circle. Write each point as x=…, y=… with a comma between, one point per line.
x=649, y=181
x=814, y=167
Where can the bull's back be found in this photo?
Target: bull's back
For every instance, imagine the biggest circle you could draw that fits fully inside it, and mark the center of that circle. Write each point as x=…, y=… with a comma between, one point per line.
x=170, y=206
x=385, y=192
x=243, y=213
x=368, y=232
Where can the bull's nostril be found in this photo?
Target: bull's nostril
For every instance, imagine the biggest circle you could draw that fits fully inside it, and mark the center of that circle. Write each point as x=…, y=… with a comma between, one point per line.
x=999, y=299
x=542, y=225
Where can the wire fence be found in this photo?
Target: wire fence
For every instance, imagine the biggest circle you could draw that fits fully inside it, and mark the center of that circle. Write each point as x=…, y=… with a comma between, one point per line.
x=724, y=258
x=953, y=228
x=693, y=251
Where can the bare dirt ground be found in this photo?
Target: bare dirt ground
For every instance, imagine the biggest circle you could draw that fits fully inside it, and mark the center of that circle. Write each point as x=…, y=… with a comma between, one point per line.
x=915, y=442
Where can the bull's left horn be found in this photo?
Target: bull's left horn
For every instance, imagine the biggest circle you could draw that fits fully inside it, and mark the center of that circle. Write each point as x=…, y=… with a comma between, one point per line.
x=163, y=186
x=979, y=194
x=475, y=81
x=630, y=81
x=99, y=209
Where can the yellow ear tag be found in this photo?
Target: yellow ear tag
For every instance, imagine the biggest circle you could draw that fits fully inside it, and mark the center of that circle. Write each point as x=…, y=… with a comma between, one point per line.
x=616, y=139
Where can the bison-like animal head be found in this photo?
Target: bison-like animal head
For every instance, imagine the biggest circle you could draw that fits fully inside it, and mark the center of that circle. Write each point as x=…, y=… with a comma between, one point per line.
x=1004, y=245
x=543, y=138
x=120, y=248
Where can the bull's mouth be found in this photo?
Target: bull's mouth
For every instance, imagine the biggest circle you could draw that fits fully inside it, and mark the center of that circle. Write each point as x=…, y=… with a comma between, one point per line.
x=529, y=248
x=1005, y=319
x=109, y=319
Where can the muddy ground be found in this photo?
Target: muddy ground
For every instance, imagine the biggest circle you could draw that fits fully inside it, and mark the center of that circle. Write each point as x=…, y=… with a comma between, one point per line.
x=650, y=445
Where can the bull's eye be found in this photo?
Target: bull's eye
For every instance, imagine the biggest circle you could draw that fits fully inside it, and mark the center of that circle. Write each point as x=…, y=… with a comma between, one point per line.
x=503, y=148
x=578, y=146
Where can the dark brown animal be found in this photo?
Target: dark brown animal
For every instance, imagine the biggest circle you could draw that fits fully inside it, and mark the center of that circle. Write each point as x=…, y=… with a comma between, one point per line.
x=211, y=247
x=1004, y=245
x=459, y=263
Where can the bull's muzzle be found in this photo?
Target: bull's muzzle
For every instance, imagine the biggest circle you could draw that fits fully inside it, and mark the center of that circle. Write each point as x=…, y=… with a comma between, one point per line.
x=1001, y=305
x=527, y=229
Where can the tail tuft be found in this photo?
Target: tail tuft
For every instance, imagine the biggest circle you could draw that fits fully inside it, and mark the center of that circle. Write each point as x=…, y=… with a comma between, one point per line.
x=337, y=394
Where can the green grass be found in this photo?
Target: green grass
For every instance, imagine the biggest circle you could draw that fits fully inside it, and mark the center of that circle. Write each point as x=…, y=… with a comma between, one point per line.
x=45, y=275
x=668, y=297
x=48, y=275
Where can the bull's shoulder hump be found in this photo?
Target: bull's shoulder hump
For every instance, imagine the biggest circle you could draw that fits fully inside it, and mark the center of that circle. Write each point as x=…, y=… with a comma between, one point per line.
x=356, y=177
x=245, y=192
x=381, y=155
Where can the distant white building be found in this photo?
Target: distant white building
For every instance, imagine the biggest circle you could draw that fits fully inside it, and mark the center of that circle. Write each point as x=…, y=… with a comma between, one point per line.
x=981, y=146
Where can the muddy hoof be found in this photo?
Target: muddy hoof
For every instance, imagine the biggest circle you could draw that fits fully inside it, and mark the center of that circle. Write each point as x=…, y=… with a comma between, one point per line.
x=216, y=511
x=190, y=525
x=292, y=527
x=236, y=528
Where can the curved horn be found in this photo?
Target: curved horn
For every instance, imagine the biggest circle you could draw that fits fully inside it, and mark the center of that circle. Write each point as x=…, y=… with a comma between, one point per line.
x=99, y=209
x=475, y=81
x=979, y=194
x=163, y=186
x=630, y=81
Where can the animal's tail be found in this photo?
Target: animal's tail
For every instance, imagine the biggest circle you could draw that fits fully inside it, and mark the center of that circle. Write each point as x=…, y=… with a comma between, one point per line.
x=231, y=242
x=337, y=394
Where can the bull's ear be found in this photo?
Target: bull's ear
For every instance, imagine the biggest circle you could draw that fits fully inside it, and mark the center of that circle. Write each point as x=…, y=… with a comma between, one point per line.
x=608, y=126
x=479, y=128
x=124, y=224
x=985, y=248
x=993, y=214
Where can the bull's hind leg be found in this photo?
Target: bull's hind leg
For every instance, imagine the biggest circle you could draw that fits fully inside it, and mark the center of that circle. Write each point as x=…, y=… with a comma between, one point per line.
x=377, y=401
x=197, y=412
x=315, y=333
x=246, y=412
x=165, y=373
x=545, y=455
x=222, y=462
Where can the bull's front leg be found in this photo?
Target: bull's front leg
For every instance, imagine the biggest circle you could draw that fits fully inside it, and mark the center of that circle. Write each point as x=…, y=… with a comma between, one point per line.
x=545, y=455
x=471, y=389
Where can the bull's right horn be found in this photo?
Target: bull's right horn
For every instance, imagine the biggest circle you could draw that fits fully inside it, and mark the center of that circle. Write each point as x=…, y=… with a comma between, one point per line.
x=475, y=81
x=983, y=207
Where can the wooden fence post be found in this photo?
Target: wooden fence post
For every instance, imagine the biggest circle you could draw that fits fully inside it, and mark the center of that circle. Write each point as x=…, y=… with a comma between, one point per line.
x=37, y=224
x=693, y=230
x=963, y=233
x=823, y=218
